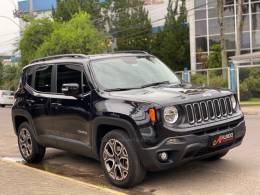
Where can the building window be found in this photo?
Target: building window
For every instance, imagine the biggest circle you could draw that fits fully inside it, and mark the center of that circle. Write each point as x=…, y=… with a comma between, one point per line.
x=255, y=7
x=245, y=40
x=230, y=41
x=256, y=21
x=201, y=28
x=229, y=11
x=213, y=27
x=199, y=4
x=229, y=25
x=228, y=2
x=213, y=40
x=256, y=39
x=246, y=23
x=230, y=54
x=201, y=44
x=245, y=51
x=212, y=3
x=245, y=9
x=200, y=14
x=213, y=13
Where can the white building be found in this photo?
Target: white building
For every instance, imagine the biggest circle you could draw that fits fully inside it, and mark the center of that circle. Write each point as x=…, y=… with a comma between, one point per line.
x=204, y=28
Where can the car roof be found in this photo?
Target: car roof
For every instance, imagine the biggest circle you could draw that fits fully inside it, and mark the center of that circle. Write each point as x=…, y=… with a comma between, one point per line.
x=79, y=58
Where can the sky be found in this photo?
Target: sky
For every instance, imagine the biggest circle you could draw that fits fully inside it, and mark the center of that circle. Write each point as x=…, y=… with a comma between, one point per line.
x=9, y=32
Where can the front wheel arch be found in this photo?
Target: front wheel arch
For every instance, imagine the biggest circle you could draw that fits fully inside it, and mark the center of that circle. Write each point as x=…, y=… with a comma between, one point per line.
x=104, y=125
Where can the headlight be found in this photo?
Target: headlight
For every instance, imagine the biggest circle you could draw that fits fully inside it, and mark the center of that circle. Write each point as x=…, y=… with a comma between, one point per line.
x=234, y=102
x=170, y=114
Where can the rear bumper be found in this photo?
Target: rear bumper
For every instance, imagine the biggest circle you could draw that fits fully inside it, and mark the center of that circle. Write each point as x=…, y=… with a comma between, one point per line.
x=188, y=148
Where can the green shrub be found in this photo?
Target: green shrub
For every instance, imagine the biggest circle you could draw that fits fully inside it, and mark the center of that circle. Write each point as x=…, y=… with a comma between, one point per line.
x=245, y=93
x=218, y=82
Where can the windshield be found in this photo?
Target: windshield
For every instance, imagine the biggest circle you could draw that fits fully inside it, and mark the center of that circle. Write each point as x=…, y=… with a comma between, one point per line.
x=132, y=72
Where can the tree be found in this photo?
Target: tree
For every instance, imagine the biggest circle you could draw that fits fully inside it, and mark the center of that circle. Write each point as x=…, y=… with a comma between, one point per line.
x=239, y=26
x=11, y=74
x=66, y=9
x=174, y=47
x=129, y=24
x=75, y=36
x=220, y=7
x=1, y=72
x=33, y=37
x=214, y=59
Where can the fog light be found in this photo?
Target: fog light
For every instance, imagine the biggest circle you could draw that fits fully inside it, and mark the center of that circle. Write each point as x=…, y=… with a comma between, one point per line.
x=163, y=156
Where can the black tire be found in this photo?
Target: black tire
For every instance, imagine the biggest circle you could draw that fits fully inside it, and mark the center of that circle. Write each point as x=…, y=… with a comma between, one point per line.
x=37, y=151
x=216, y=156
x=136, y=172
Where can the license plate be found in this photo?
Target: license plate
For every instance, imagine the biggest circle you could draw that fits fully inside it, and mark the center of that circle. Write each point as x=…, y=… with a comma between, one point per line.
x=222, y=139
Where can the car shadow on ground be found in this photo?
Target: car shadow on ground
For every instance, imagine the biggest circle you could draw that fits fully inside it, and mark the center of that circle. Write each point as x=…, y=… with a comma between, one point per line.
x=89, y=170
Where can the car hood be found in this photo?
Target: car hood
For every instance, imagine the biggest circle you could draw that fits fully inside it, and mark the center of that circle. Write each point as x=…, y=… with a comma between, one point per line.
x=169, y=95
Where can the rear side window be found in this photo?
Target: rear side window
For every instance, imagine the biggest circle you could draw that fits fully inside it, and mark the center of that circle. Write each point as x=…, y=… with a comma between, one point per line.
x=29, y=77
x=71, y=74
x=43, y=79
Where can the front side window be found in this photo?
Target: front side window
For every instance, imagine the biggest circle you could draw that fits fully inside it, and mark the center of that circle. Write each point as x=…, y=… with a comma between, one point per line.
x=71, y=74
x=131, y=72
x=43, y=79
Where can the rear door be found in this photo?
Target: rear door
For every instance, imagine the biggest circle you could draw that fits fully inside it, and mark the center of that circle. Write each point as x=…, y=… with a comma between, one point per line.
x=72, y=115
x=39, y=87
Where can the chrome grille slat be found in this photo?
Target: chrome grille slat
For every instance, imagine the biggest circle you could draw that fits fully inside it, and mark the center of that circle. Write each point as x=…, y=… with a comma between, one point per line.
x=205, y=112
x=223, y=106
x=189, y=110
x=197, y=112
x=211, y=110
x=217, y=108
x=208, y=110
x=229, y=106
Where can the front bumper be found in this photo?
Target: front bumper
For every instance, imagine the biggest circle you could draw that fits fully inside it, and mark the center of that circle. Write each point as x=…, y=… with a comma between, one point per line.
x=189, y=147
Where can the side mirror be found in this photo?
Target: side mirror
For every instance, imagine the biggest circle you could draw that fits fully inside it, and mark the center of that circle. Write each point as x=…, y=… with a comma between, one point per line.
x=71, y=89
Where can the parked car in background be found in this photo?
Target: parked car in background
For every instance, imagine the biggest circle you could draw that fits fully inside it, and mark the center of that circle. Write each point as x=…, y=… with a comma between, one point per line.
x=6, y=98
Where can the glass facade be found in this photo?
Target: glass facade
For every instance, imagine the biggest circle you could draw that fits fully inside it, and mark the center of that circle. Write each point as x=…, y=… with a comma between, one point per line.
x=207, y=30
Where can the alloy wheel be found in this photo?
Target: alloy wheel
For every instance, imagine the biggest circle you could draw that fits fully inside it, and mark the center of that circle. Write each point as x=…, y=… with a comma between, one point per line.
x=25, y=142
x=116, y=160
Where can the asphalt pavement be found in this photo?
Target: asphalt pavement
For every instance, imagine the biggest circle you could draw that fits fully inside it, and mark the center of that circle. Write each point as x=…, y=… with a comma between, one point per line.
x=65, y=173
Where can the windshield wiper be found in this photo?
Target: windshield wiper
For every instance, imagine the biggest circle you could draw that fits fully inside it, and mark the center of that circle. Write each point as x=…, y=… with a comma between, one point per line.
x=120, y=89
x=155, y=84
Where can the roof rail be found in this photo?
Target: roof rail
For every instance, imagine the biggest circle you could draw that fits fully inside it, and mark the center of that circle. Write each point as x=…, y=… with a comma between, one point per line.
x=132, y=51
x=60, y=56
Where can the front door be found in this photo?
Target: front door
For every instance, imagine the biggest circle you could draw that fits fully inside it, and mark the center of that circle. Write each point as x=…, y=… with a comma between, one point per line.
x=72, y=115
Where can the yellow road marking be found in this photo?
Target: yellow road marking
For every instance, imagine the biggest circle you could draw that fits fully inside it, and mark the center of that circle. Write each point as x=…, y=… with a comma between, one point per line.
x=99, y=187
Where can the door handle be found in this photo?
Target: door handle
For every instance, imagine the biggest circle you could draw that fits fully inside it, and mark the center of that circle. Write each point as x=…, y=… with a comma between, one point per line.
x=56, y=105
x=30, y=102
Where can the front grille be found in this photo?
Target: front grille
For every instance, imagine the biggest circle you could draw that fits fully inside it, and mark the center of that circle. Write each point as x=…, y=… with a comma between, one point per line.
x=208, y=110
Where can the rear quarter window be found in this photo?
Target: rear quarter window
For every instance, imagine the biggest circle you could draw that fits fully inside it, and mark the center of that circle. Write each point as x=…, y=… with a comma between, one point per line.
x=29, y=77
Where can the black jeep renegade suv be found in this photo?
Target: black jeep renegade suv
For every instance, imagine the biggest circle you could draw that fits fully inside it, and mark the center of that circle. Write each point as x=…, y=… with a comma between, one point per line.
x=126, y=109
